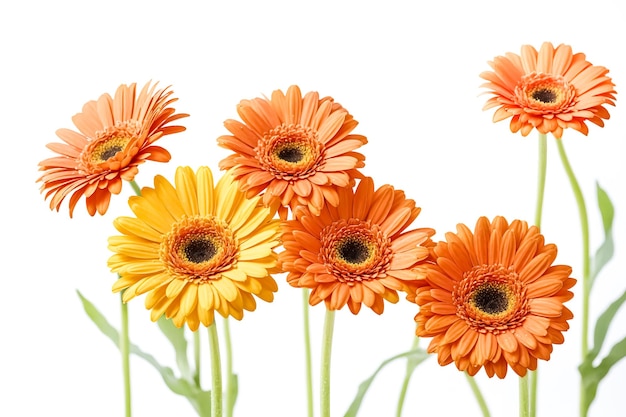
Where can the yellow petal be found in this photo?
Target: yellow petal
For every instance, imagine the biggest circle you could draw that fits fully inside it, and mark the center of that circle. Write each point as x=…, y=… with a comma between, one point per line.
x=226, y=288
x=206, y=200
x=174, y=288
x=185, y=181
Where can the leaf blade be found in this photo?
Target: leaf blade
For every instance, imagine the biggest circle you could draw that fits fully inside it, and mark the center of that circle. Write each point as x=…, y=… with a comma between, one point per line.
x=415, y=357
x=602, y=327
x=176, y=337
x=605, y=251
x=199, y=399
x=592, y=376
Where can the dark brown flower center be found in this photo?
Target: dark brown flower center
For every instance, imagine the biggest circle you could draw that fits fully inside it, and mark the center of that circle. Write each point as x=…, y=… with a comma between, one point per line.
x=110, y=146
x=199, y=250
x=542, y=93
x=111, y=152
x=545, y=95
x=490, y=298
x=353, y=251
x=291, y=154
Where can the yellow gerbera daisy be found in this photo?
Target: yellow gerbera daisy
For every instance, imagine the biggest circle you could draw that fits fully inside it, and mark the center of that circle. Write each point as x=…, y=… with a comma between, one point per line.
x=196, y=248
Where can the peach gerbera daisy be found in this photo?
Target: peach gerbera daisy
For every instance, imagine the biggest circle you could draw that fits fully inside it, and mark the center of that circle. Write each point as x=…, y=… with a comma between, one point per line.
x=115, y=135
x=550, y=90
x=356, y=253
x=196, y=248
x=493, y=298
x=296, y=149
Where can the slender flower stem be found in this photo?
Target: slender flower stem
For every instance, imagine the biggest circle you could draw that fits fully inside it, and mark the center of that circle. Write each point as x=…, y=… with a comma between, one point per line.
x=542, y=162
x=533, y=375
x=136, y=188
x=125, y=340
x=584, y=225
x=307, y=351
x=216, y=373
x=230, y=399
x=405, y=382
x=523, y=396
x=479, y=396
x=196, y=358
x=327, y=343
x=125, y=352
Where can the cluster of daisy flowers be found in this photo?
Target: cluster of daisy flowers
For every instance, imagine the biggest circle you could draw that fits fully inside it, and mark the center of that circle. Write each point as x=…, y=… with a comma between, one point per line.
x=292, y=200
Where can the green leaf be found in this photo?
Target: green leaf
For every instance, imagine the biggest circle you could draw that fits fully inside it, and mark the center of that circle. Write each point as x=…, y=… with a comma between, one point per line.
x=201, y=400
x=605, y=252
x=606, y=208
x=593, y=375
x=415, y=357
x=176, y=336
x=602, y=327
x=234, y=388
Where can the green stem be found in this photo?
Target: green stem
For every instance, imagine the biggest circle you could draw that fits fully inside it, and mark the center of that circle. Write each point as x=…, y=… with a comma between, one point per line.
x=327, y=343
x=542, y=162
x=523, y=396
x=533, y=392
x=230, y=397
x=216, y=373
x=405, y=382
x=478, y=395
x=307, y=351
x=196, y=358
x=584, y=225
x=125, y=352
x=125, y=340
x=136, y=188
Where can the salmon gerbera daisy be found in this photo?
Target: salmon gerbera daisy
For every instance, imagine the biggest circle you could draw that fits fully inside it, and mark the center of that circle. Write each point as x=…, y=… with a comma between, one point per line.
x=551, y=89
x=115, y=135
x=356, y=253
x=492, y=298
x=295, y=149
x=196, y=248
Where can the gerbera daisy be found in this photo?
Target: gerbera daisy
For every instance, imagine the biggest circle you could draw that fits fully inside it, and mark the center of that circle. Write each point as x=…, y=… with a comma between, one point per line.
x=493, y=298
x=115, y=135
x=356, y=253
x=296, y=149
x=550, y=90
x=196, y=249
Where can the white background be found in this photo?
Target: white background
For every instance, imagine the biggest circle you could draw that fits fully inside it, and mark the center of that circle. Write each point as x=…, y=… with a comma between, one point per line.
x=407, y=71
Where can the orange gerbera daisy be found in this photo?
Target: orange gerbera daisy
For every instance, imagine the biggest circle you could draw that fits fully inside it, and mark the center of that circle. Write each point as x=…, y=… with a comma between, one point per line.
x=296, y=149
x=196, y=248
x=356, y=253
x=550, y=89
x=493, y=298
x=114, y=136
